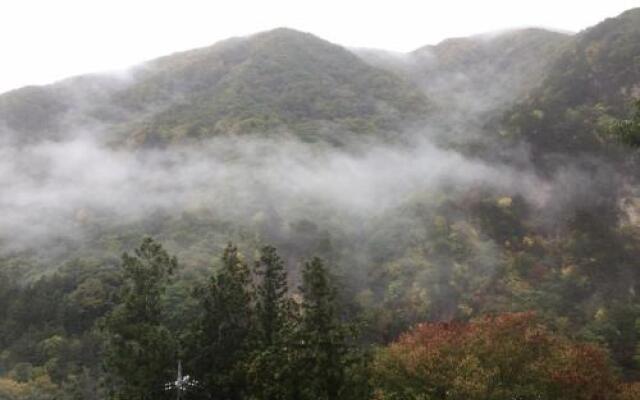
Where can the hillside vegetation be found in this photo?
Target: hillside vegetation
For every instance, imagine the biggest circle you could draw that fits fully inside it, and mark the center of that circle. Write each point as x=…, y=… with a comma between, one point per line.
x=291, y=219
x=595, y=78
x=278, y=80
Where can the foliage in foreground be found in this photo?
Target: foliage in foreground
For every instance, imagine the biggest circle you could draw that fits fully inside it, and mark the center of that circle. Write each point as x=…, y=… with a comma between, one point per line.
x=254, y=339
x=248, y=340
x=244, y=333
x=510, y=356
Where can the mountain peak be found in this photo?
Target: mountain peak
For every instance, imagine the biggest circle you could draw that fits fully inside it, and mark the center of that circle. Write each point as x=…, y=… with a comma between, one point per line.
x=281, y=79
x=633, y=13
x=494, y=39
x=283, y=32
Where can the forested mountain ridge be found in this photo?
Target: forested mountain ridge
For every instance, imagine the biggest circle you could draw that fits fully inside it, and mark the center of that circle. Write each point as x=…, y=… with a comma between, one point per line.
x=286, y=78
x=229, y=87
x=454, y=257
x=281, y=79
x=596, y=77
x=478, y=74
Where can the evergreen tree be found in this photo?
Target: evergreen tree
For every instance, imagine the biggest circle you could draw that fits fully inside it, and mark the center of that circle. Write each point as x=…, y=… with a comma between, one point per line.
x=327, y=361
x=220, y=344
x=140, y=350
x=270, y=366
x=273, y=307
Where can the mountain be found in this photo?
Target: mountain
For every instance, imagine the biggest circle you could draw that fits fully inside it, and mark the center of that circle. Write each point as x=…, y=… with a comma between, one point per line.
x=487, y=72
x=277, y=80
x=596, y=77
x=459, y=220
x=479, y=74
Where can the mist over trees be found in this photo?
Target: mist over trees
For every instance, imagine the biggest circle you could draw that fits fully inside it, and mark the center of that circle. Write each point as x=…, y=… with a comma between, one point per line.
x=461, y=221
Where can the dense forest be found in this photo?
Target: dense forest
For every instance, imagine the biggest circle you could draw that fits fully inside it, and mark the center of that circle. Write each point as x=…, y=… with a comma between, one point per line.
x=280, y=217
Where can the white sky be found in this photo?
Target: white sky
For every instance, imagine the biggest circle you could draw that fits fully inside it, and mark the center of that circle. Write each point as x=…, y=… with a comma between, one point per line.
x=45, y=40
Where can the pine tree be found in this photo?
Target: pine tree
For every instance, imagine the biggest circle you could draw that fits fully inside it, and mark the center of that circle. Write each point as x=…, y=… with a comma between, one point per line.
x=273, y=305
x=270, y=366
x=328, y=361
x=139, y=349
x=220, y=345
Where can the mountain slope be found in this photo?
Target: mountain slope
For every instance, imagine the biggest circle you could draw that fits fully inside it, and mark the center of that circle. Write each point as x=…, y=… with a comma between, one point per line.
x=596, y=76
x=478, y=74
x=277, y=80
x=485, y=73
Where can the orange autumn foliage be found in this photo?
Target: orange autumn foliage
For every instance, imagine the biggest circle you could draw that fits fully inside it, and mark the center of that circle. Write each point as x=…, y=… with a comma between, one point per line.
x=506, y=357
x=630, y=391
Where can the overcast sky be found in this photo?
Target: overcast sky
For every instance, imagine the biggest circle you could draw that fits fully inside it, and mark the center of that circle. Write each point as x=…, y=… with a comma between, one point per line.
x=46, y=40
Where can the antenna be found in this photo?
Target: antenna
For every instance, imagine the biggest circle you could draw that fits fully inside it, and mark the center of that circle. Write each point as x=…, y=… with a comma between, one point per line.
x=182, y=383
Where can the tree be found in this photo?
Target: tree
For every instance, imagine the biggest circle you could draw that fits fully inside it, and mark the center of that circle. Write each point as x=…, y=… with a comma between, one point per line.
x=219, y=345
x=630, y=391
x=270, y=369
x=140, y=350
x=273, y=306
x=326, y=359
x=506, y=357
x=627, y=131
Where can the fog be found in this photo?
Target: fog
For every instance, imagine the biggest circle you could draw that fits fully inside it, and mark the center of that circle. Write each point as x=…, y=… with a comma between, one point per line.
x=66, y=186
x=53, y=189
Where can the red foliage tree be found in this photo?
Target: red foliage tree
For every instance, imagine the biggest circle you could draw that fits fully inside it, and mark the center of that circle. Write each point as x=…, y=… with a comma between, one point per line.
x=506, y=357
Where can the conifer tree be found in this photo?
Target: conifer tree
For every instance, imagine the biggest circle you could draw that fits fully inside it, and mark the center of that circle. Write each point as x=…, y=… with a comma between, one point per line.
x=327, y=358
x=272, y=377
x=273, y=305
x=220, y=345
x=139, y=349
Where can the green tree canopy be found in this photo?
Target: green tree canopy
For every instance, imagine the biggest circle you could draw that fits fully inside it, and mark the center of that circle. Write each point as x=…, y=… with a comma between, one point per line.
x=140, y=350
